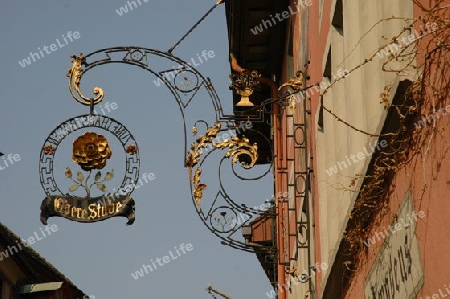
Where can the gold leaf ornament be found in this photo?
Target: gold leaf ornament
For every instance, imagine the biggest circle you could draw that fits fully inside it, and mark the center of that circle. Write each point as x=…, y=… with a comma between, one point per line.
x=102, y=187
x=68, y=172
x=80, y=176
x=237, y=147
x=198, y=193
x=98, y=176
x=198, y=188
x=193, y=157
x=109, y=175
x=73, y=188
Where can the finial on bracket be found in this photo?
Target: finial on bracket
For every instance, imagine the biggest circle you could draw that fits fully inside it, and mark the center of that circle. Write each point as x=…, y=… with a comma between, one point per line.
x=75, y=73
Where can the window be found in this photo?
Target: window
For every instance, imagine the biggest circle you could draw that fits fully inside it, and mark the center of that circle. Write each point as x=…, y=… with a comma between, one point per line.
x=338, y=17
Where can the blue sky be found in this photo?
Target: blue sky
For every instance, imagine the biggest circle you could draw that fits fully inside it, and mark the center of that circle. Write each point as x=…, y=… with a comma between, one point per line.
x=100, y=257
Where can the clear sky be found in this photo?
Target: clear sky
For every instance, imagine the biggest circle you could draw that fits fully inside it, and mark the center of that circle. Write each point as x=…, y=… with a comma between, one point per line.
x=100, y=257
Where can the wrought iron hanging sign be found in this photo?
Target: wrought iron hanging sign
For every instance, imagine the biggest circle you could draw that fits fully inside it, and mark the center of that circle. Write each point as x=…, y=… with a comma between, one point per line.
x=80, y=190
x=88, y=196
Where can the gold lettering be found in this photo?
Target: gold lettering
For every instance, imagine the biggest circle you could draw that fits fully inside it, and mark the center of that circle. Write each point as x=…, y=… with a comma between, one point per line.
x=104, y=211
x=93, y=211
x=66, y=209
x=93, y=214
x=110, y=208
x=73, y=209
x=57, y=205
x=119, y=205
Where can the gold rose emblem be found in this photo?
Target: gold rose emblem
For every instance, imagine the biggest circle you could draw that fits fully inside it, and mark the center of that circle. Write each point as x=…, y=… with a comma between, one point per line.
x=90, y=151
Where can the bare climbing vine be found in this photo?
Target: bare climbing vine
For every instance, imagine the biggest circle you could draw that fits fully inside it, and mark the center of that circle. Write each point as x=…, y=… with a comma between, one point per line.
x=428, y=57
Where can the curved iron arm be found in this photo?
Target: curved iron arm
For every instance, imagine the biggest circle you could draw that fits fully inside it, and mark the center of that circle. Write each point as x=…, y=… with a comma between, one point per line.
x=183, y=82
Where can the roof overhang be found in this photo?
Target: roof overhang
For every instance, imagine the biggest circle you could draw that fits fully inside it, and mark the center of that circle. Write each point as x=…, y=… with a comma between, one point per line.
x=262, y=52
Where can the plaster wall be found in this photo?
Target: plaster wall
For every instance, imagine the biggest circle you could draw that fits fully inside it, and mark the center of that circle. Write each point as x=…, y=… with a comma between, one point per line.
x=427, y=178
x=355, y=99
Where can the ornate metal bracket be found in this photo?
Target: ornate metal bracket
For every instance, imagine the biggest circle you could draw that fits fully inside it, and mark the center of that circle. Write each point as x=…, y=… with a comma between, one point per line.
x=185, y=83
x=295, y=217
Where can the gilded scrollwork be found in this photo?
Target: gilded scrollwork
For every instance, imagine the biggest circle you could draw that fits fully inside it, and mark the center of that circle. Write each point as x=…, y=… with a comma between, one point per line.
x=193, y=157
x=198, y=188
x=237, y=147
x=75, y=73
